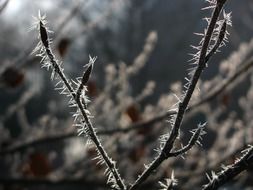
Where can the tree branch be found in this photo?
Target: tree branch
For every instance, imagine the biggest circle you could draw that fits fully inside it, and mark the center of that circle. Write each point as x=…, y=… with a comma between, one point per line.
x=229, y=172
x=76, y=101
x=163, y=155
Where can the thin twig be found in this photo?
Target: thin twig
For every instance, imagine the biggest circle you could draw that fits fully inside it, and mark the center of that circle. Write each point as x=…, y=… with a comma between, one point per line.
x=163, y=155
x=194, y=140
x=24, y=59
x=78, y=103
x=229, y=172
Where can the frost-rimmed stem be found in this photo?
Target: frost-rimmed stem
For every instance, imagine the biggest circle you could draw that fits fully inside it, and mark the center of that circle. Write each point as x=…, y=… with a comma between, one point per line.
x=197, y=133
x=229, y=172
x=163, y=155
x=76, y=98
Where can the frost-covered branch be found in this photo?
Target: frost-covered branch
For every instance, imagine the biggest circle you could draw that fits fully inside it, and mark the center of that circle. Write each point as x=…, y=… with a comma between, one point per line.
x=78, y=100
x=195, y=139
x=231, y=171
x=199, y=60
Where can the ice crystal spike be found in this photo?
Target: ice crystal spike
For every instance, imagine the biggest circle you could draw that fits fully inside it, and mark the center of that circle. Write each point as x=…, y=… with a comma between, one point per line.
x=169, y=183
